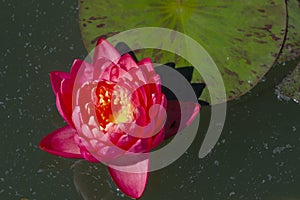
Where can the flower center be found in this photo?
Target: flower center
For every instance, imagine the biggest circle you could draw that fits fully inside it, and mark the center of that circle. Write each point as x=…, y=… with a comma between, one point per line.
x=112, y=104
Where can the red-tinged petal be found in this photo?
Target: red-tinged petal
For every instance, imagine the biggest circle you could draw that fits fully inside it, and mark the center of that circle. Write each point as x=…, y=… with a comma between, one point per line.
x=61, y=143
x=64, y=110
x=157, y=140
x=114, y=137
x=140, y=146
x=104, y=49
x=75, y=67
x=62, y=86
x=141, y=116
x=174, y=124
x=126, y=141
x=131, y=179
x=66, y=88
x=56, y=78
x=89, y=157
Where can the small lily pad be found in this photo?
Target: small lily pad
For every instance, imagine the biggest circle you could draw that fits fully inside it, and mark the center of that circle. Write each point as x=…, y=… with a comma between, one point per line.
x=289, y=88
x=291, y=48
x=243, y=38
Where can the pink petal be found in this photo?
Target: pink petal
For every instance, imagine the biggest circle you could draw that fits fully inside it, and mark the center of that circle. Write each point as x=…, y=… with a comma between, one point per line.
x=127, y=63
x=131, y=179
x=56, y=78
x=145, y=71
x=61, y=143
x=174, y=116
x=83, y=151
x=84, y=74
x=157, y=119
x=104, y=49
x=147, y=63
x=110, y=72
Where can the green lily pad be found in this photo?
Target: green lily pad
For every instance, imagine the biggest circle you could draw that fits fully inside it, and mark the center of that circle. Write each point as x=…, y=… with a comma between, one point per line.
x=291, y=48
x=243, y=38
x=289, y=88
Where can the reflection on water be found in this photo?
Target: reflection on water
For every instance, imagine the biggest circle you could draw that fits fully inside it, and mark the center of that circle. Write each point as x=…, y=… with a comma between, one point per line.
x=257, y=156
x=92, y=181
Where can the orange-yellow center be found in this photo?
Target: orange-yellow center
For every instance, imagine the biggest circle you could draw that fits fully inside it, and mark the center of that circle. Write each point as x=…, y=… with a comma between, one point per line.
x=112, y=104
x=103, y=103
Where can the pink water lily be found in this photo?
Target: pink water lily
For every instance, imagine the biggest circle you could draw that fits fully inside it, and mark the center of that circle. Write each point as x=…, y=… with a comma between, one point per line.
x=114, y=107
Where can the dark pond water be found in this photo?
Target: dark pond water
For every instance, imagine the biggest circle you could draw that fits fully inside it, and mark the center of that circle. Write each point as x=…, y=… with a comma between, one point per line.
x=257, y=156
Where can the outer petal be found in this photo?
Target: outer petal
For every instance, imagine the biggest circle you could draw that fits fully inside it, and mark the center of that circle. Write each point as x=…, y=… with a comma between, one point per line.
x=61, y=143
x=64, y=109
x=174, y=116
x=131, y=179
x=56, y=78
x=75, y=67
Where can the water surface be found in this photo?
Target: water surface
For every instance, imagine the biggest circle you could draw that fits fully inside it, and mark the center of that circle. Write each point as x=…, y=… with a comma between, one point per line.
x=257, y=156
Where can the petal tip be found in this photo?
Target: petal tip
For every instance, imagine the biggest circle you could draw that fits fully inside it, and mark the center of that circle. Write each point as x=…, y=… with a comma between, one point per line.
x=61, y=143
x=100, y=40
x=133, y=180
x=56, y=77
x=105, y=50
x=75, y=66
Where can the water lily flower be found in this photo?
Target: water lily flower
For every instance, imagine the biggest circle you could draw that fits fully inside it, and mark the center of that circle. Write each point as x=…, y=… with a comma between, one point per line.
x=114, y=107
